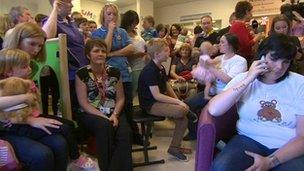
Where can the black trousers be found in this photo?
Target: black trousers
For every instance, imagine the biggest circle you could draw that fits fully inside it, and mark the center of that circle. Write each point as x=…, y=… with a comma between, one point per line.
x=49, y=84
x=113, y=144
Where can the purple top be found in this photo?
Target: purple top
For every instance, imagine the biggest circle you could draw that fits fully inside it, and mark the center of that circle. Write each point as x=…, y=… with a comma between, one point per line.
x=75, y=45
x=298, y=29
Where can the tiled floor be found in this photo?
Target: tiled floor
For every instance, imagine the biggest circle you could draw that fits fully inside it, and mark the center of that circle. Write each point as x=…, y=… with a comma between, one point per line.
x=162, y=134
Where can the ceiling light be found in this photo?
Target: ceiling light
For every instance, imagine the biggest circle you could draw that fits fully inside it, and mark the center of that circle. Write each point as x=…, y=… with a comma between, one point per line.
x=111, y=0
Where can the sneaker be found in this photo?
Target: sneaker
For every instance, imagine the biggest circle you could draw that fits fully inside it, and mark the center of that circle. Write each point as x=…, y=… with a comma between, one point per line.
x=185, y=150
x=85, y=162
x=175, y=152
x=188, y=137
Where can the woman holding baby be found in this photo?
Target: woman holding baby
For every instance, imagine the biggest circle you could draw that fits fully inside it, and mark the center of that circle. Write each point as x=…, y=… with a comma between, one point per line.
x=224, y=68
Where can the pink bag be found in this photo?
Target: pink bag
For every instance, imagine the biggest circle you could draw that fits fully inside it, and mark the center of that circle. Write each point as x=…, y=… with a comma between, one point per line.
x=8, y=159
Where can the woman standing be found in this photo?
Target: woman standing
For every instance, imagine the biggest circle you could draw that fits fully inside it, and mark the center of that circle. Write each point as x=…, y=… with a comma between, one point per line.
x=119, y=46
x=139, y=59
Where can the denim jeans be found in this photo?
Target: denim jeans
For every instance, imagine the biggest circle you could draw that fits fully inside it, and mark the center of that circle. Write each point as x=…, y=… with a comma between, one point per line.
x=66, y=130
x=196, y=104
x=48, y=153
x=234, y=158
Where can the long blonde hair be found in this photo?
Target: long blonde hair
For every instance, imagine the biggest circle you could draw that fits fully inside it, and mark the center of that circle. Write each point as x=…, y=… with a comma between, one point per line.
x=10, y=58
x=108, y=5
x=22, y=31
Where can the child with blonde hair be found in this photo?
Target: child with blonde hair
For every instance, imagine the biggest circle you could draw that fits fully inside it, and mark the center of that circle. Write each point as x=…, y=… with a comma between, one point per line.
x=16, y=63
x=202, y=72
x=157, y=97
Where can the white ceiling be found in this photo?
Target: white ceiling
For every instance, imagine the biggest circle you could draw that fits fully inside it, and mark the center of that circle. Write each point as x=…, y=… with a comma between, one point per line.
x=157, y=3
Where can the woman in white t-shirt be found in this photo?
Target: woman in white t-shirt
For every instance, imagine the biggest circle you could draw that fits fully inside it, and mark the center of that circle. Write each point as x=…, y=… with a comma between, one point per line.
x=229, y=65
x=269, y=99
x=129, y=21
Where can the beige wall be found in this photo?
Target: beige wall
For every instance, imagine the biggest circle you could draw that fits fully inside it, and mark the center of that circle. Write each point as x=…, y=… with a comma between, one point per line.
x=35, y=6
x=91, y=10
x=220, y=9
x=126, y=8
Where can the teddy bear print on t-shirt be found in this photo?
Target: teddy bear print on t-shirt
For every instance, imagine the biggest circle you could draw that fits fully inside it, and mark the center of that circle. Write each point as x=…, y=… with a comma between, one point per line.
x=269, y=112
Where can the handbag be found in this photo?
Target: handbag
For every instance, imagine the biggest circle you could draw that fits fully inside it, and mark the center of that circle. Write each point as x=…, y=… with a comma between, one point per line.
x=186, y=74
x=182, y=87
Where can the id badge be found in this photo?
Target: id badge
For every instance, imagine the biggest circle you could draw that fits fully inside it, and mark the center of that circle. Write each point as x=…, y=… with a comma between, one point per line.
x=108, y=106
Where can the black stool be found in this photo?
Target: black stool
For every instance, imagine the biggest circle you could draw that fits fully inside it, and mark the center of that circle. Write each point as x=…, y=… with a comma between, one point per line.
x=146, y=121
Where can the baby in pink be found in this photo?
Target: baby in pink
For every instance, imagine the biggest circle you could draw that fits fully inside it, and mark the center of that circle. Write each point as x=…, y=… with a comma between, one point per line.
x=203, y=72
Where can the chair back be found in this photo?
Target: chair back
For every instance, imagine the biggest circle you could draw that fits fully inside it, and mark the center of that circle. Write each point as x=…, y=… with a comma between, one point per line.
x=209, y=131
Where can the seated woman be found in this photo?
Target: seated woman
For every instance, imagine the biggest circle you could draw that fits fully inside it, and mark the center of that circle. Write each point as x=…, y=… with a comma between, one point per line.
x=182, y=66
x=230, y=64
x=100, y=94
x=269, y=99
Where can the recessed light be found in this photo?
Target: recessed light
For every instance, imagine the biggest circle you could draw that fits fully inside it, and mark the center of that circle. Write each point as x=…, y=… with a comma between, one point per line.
x=111, y=0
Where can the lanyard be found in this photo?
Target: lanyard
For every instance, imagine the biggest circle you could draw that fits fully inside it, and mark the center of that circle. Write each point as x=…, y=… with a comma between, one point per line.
x=101, y=84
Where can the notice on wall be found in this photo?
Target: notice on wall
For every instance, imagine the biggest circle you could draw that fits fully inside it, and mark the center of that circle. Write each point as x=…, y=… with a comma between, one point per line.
x=265, y=7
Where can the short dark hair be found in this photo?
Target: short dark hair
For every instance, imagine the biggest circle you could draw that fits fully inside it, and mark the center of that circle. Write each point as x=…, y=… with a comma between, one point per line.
x=128, y=18
x=177, y=26
x=75, y=13
x=197, y=30
x=40, y=17
x=92, y=22
x=91, y=43
x=233, y=41
x=280, y=47
x=241, y=9
x=81, y=20
x=159, y=27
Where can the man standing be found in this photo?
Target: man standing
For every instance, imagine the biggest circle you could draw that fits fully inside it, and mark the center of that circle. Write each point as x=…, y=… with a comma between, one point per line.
x=208, y=33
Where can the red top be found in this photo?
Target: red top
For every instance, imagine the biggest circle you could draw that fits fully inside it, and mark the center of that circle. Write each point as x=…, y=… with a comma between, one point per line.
x=245, y=39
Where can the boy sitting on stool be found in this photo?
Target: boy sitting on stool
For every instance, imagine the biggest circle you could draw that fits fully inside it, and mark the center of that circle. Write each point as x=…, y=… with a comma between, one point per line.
x=157, y=97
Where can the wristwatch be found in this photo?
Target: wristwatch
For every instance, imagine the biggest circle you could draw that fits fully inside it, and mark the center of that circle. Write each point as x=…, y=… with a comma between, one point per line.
x=274, y=160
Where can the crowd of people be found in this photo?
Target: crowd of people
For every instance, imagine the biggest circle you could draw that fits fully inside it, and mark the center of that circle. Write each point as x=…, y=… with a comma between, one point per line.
x=112, y=65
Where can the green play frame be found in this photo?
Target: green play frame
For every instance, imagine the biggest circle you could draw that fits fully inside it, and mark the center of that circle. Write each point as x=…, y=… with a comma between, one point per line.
x=56, y=52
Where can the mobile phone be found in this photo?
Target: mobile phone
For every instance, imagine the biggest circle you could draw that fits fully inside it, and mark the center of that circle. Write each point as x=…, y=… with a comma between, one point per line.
x=264, y=59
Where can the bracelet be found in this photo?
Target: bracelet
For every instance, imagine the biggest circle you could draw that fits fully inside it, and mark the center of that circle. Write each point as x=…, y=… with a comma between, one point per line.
x=274, y=160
